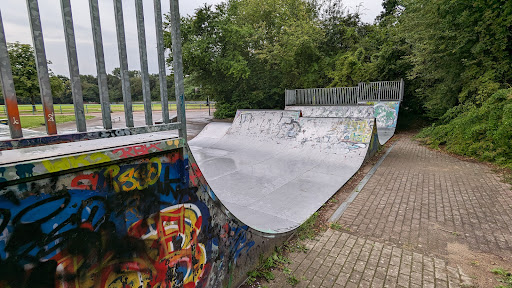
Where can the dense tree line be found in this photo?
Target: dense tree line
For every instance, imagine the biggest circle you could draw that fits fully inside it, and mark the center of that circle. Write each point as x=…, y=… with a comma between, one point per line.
x=245, y=53
x=455, y=56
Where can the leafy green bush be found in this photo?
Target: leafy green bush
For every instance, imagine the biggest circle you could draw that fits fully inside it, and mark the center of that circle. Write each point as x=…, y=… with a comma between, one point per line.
x=483, y=132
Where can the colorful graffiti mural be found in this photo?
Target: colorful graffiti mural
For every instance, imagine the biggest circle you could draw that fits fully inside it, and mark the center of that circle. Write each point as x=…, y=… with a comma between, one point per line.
x=67, y=138
x=143, y=222
x=386, y=114
x=83, y=160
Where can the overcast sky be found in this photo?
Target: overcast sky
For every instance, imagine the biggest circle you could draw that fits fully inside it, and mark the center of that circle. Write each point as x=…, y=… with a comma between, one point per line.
x=16, y=25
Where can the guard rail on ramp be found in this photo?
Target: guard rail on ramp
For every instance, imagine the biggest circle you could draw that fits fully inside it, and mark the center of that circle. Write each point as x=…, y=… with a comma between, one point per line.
x=133, y=212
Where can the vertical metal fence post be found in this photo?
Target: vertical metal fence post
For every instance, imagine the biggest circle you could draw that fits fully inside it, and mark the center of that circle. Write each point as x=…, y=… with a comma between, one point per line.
x=359, y=91
x=146, y=93
x=380, y=90
x=42, y=67
x=74, y=73
x=161, y=60
x=178, y=67
x=100, y=64
x=13, y=114
x=402, y=87
x=123, y=63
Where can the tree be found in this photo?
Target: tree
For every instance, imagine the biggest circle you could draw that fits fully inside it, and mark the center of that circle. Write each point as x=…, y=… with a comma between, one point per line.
x=24, y=72
x=90, y=88
x=460, y=51
x=66, y=95
x=244, y=53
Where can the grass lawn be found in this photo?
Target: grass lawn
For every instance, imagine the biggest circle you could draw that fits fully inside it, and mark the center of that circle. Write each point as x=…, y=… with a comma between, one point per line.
x=96, y=108
x=38, y=121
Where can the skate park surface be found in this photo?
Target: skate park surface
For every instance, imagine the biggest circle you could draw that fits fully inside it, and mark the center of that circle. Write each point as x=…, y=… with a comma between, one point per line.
x=224, y=200
x=273, y=169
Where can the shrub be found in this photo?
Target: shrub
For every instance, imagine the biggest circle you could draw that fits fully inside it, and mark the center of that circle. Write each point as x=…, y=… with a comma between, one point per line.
x=482, y=132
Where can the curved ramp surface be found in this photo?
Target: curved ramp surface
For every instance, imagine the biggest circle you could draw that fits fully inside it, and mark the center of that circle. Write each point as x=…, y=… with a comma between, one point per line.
x=274, y=169
x=127, y=213
x=386, y=114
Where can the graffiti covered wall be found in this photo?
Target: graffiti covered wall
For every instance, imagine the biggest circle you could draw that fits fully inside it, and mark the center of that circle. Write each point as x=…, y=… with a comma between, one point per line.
x=146, y=218
x=386, y=114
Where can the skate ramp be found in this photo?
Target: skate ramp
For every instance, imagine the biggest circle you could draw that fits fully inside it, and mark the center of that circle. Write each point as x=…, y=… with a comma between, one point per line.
x=134, y=212
x=138, y=211
x=274, y=169
x=386, y=114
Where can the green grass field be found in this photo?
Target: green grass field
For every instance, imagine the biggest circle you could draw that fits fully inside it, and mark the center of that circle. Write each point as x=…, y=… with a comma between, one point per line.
x=38, y=121
x=96, y=108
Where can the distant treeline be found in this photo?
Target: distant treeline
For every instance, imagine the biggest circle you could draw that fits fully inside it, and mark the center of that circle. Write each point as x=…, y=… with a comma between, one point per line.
x=27, y=86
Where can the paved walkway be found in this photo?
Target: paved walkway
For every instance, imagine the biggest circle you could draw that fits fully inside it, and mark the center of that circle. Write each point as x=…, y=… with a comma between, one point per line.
x=425, y=219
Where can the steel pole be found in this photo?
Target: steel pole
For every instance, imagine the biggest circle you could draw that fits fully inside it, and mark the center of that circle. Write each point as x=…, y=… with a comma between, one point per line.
x=42, y=67
x=178, y=67
x=100, y=64
x=11, y=103
x=161, y=60
x=146, y=93
x=123, y=63
x=74, y=73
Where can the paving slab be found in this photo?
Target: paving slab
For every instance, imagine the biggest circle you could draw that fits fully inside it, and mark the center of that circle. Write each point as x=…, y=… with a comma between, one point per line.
x=340, y=259
x=427, y=199
x=424, y=219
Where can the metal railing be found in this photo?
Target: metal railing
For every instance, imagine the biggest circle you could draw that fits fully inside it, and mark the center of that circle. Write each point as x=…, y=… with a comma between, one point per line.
x=11, y=106
x=381, y=91
x=364, y=92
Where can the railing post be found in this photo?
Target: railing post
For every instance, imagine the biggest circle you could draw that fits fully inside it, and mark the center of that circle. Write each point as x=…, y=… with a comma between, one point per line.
x=402, y=87
x=146, y=93
x=11, y=103
x=359, y=92
x=74, y=73
x=161, y=60
x=100, y=64
x=380, y=90
x=123, y=64
x=178, y=67
x=42, y=67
